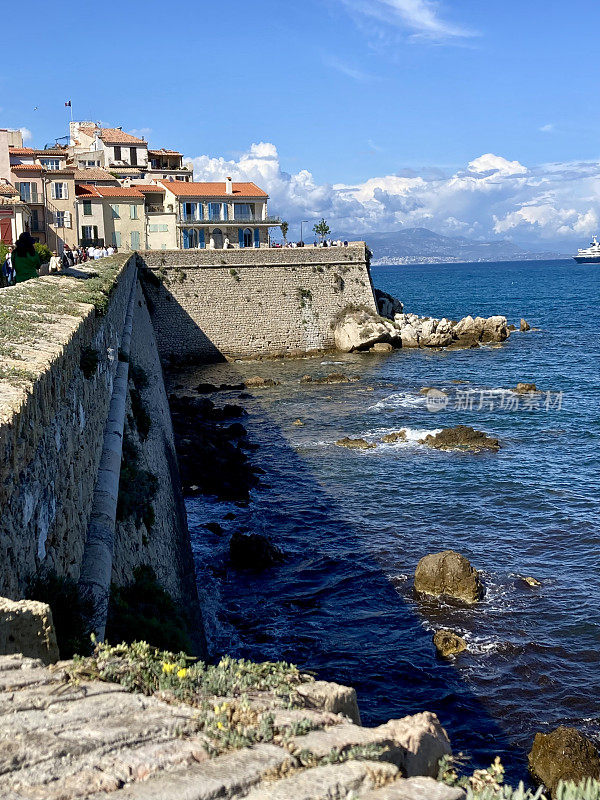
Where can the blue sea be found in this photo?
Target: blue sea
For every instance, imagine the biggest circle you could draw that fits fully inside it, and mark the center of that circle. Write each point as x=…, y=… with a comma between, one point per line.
x=354, y=524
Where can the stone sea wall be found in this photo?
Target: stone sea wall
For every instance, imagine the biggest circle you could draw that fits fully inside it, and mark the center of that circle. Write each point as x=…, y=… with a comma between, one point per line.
x=59, y=349
x=210, y=304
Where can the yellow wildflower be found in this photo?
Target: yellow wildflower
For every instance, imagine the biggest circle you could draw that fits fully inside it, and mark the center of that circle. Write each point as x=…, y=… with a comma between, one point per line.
x=220, y=726
x=181, y=673
x=168, y=668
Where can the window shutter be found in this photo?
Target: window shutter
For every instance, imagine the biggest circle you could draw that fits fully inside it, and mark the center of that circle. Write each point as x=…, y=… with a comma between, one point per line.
x=186, y=239
x=67, y=219
x=240, y=237
x=95, y=231
x=256, y=237
x=53, y=191
x=65, y=191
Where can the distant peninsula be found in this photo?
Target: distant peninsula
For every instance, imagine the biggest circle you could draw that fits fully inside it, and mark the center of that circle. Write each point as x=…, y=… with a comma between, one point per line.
x=422, y=246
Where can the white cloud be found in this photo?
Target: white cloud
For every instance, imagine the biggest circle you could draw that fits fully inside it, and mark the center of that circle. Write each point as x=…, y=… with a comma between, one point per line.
x=491, y=197
x=140, y=132
x=26, y=134
x=419, y=16
x=346, y=69
x=549, y=128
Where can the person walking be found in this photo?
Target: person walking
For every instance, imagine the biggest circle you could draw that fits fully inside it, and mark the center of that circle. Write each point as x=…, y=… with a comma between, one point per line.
x=26, y=262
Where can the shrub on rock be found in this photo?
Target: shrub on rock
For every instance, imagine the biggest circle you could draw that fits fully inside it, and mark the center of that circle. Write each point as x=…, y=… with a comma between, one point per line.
x=448, y=574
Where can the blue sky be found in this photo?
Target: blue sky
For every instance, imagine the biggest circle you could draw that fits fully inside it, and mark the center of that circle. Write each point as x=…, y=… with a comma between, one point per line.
x=348, y=90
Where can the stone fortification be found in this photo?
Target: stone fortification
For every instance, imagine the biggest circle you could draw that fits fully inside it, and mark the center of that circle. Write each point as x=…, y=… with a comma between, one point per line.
x=59, y=348
x=210, y=304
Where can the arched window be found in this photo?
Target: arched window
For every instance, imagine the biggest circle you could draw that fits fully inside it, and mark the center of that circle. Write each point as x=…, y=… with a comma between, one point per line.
x=217, y=236
x=247, y=237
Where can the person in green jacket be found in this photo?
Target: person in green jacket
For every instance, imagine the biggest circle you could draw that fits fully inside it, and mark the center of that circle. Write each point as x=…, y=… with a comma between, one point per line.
x=26, y=262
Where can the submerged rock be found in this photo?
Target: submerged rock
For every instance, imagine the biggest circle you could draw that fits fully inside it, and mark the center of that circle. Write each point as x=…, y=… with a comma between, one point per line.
x=524, y=326
x=525, y=388
x=531, y=581
x=256, y=382
x=382, y=347
x=565, y=754
x=298, y=423
x=448, y=643
x=355, y=444
x=253, y=551
x=397, y=436
x=448, y=574
x=461, y=437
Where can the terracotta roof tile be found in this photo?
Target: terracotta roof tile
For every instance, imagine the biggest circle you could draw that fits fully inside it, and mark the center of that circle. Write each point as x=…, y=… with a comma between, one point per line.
x=189, y=189
x=163, y=152
x=150, y=188
x=93, y=174
x=26, y=167
x=21, y=151
x=108, y=191
x=7, y=189
x=117, y=136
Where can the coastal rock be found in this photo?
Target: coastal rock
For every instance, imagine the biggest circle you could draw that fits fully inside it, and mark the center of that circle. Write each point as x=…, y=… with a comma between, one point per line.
x=525, y=388
x=336, y=377
x=382, y=347
x=533, y=582
x=524, y=326
x=388, y=305
x=26, y=627
x=397, y=436
x=495, y=329
x=253, y=551
x=423, y=738
x=409, y=336
x=298, y=423
x=355, y=444
x=448, y=643
x=360, y=330
x=256, y=382
x=461, y=437
x=448, y=574
x=565, y=754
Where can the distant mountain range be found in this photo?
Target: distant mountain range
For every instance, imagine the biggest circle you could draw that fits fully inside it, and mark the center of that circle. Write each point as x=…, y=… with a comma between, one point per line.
x=422, y=246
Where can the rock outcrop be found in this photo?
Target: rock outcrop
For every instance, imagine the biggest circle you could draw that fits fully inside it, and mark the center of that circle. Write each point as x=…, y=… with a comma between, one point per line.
x=448, y=643
x=355, y=444
x=69, y=741
x=565, y=754
x=253, y=551
x=525, y=388
x=461, y=437
x=362, y=329
x=388, y=305
x=396, y=436
x=448, y=574
x=524, y=326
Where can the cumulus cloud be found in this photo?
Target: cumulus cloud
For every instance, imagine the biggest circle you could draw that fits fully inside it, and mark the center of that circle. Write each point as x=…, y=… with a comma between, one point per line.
x=421, y=17
x=491, y=197
x=549, y=128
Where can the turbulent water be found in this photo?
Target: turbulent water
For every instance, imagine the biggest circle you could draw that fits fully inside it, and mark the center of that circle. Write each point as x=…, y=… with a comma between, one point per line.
x=355, y=524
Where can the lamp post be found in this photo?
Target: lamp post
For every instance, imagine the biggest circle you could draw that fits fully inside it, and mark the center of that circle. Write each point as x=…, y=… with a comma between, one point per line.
x=302, y=222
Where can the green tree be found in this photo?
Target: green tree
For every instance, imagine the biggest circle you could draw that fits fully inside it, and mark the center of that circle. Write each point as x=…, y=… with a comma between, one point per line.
x=284, y=230
x=43, y=252
x=322, y=229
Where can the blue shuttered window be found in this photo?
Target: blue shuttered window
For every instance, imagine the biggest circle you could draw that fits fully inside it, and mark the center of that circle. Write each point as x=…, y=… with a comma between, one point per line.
x=201, y=238
x=186, y=239
x=240, y=237
x=256, y=237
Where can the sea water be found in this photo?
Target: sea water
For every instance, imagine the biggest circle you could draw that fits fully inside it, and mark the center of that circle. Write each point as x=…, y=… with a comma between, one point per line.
x=354, y=524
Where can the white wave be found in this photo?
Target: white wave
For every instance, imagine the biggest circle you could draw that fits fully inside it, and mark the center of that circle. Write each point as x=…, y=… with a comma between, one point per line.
x=400, y=400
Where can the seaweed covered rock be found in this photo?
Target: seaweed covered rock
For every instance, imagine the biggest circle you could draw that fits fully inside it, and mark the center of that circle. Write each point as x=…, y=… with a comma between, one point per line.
x=253, y=551
x=565, y=754
x=448, y=574
x=461, y=437
x=448, y=643
x=355, y=444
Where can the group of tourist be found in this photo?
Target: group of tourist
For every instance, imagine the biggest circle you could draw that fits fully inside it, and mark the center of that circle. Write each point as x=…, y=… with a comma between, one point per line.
x=24, y=261
x=324, y=243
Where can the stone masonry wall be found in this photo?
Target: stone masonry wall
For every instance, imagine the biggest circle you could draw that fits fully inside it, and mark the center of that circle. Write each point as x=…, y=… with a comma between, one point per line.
x=208, y=305
x=52, y=420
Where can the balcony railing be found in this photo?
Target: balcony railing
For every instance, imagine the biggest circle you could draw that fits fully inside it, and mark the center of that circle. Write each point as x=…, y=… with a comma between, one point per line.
x=247, y=220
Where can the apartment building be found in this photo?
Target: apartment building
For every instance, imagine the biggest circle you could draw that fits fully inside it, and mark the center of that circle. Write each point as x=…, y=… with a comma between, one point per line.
x=111, y=215
x=219, y=214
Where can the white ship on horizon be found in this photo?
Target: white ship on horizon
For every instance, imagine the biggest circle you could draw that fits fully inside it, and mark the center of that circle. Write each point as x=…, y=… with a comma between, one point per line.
x=589, y=255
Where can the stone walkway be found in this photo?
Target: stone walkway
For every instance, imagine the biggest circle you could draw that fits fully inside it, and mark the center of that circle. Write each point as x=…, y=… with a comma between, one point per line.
x=95, y=740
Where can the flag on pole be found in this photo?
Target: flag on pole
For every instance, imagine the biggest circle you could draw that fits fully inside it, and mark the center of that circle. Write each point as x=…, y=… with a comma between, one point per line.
x=68, y=104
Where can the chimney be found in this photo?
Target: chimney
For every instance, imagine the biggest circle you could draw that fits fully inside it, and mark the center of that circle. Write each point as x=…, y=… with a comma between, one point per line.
x=228, y=186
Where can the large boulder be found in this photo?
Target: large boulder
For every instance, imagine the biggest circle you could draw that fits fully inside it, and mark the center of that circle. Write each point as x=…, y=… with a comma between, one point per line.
x=409, y=335
x=565, y=754
x=361, y=329
x=424, y=740
x=461, y=437
x=26, y=627
x=448, y=574
x=495, y=329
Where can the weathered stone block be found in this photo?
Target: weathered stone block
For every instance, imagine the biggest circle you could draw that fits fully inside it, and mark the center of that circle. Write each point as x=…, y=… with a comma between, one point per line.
x=26, y=627
x=331, y=697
